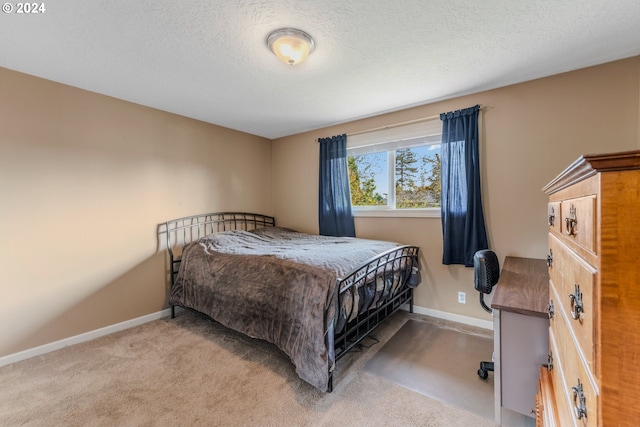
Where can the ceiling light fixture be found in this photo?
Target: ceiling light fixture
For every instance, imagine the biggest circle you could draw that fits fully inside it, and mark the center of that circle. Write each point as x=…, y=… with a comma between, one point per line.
x=290, y=45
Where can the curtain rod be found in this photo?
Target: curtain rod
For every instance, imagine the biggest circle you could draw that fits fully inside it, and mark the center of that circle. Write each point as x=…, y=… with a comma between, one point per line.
x=394, y=125
x=391, y=126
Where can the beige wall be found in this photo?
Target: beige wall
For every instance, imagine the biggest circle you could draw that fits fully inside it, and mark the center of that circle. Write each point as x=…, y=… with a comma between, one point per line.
x=85, y=180
x=530, y=132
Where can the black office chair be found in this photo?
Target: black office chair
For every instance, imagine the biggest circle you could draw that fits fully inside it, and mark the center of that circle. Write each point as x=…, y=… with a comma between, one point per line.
x=487, y=272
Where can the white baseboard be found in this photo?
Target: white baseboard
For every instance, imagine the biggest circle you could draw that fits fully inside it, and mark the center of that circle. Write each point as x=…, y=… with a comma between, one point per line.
x=77, y=339
x=88, y=336
x=472, y=321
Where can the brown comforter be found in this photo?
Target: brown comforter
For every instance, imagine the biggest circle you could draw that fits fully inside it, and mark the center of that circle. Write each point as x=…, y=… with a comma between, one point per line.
x=274, y=284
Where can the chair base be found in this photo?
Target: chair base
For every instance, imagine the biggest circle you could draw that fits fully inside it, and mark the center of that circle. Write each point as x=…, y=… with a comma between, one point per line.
x=485, y=367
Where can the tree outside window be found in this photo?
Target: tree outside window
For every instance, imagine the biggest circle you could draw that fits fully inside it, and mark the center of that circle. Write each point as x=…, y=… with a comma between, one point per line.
x=413, y=183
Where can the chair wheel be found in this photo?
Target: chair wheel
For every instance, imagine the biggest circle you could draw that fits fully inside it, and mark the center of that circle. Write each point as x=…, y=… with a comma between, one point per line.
x=483, y=374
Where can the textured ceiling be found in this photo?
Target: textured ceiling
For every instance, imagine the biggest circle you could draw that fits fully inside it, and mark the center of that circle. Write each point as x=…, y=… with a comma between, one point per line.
x=208, y=59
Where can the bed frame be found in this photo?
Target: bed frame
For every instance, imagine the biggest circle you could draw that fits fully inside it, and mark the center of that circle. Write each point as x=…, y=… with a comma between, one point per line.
x=341, y=336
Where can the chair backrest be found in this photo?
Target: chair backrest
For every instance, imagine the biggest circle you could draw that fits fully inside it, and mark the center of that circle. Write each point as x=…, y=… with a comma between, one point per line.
x=486, y=270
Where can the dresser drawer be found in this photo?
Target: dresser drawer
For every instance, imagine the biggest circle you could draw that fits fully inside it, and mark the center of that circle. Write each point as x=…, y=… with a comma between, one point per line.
x=578, y=383
x=578, y=221
x=572, y=383
x=564, y=415
x=554, y=217
x=574, y=284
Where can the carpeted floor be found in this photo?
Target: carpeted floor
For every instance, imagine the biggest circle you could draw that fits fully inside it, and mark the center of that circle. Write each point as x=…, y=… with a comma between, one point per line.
x=190, y=371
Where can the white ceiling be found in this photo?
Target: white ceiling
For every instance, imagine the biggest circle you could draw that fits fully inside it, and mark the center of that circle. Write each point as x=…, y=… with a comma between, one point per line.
x=208, y=59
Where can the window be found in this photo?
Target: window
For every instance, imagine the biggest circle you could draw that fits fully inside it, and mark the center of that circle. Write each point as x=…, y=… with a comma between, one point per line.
x=396, y=171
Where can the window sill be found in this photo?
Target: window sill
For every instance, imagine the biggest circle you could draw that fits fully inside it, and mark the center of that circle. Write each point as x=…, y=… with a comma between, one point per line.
x=397, y=213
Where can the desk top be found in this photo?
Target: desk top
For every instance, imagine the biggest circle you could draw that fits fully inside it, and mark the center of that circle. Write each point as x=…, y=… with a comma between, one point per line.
x=523, y=287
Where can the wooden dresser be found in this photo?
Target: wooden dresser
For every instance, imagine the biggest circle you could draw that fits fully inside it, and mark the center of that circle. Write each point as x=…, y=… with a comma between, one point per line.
x=593, y=375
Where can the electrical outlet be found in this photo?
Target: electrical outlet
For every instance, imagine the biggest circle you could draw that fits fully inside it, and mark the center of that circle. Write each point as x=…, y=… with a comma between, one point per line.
x=462, y=298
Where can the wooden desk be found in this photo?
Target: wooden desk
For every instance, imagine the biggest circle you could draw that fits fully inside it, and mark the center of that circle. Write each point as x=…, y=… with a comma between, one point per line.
x=521, y=333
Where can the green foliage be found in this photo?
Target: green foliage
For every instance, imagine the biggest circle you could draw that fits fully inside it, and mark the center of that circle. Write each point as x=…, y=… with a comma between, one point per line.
x=410, y=194
x=362, y=184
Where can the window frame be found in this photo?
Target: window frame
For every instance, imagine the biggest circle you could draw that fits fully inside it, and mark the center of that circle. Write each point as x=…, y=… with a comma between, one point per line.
x=398, y=137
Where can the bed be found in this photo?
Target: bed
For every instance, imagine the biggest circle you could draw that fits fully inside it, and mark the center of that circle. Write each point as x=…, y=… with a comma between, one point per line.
x=314, y=297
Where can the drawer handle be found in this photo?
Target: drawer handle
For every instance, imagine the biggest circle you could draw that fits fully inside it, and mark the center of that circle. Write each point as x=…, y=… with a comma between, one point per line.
x=571, y=221
x=552, y=216
x=551, y=310
x=579, y=401
x=576, y=303
x=550, y=258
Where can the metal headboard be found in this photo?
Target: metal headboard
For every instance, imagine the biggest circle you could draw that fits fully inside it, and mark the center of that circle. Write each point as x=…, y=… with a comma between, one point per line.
x=191, y=228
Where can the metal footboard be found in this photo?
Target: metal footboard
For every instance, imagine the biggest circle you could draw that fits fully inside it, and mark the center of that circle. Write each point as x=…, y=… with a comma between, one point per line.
x=370, y=294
